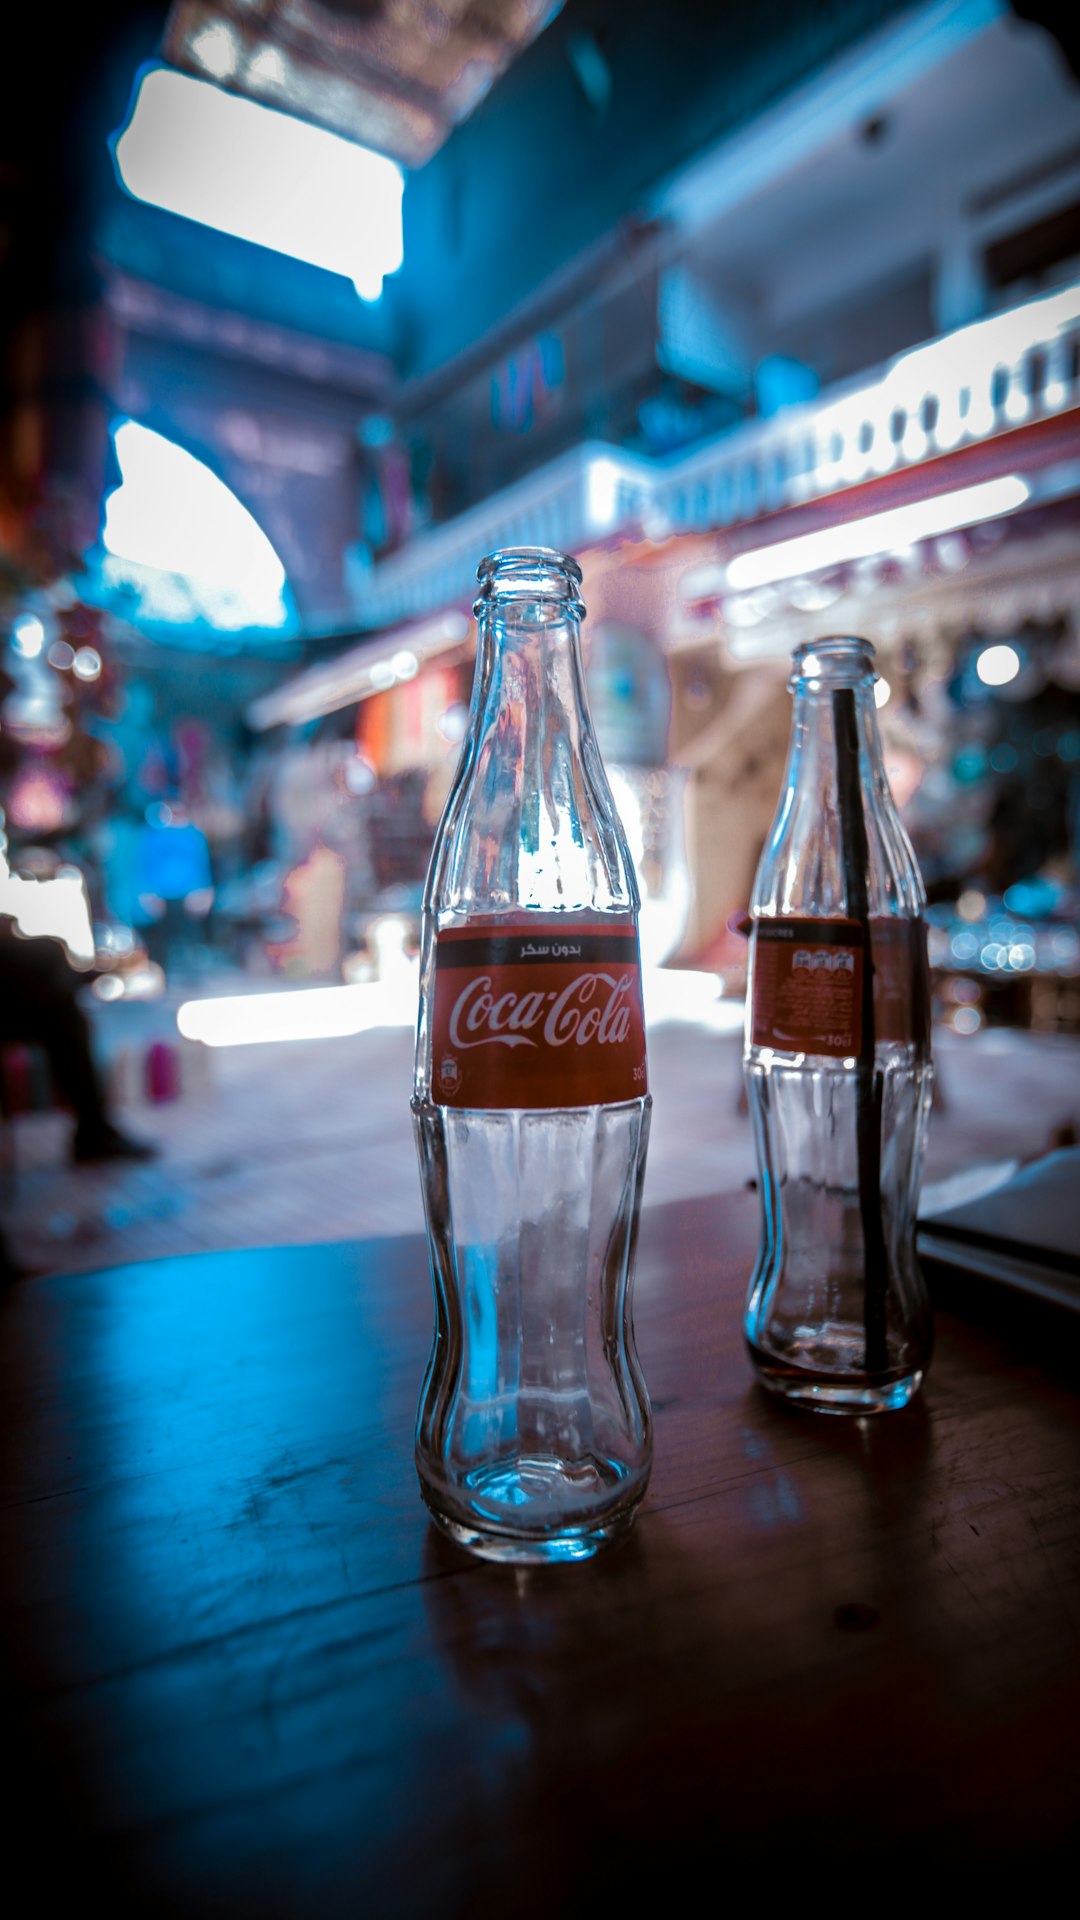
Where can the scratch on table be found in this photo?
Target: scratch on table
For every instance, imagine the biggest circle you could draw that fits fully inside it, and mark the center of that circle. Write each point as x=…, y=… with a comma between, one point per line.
x=972, y=1592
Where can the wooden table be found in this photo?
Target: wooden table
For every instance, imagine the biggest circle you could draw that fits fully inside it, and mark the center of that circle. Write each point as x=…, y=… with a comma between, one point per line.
x=248, y=1678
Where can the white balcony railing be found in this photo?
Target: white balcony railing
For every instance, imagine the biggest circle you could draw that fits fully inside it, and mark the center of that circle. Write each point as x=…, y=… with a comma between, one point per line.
x=582, y=497
x=1004, y=371
x=955, y=391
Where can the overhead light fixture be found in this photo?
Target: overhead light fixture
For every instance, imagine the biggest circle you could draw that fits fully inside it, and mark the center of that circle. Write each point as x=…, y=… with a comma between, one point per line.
x=262, y=175
x=876, y=533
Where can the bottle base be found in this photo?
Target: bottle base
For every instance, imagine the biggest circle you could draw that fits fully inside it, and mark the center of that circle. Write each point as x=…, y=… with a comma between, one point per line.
x=819, y=1389
x=521, y=1512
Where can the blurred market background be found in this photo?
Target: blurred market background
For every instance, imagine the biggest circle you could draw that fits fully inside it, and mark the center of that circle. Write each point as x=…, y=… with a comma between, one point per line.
x=771, y=316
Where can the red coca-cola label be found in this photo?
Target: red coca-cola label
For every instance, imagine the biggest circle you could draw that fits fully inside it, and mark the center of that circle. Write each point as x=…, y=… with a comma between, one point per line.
x=806, y=984
x=545, y=1015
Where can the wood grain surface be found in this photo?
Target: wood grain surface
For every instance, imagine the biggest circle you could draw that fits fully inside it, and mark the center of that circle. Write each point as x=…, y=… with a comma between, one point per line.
x=244, y=1676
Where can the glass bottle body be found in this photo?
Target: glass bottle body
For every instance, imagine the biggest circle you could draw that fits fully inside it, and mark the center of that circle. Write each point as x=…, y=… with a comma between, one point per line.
x=531, y=1106
x=837, y=1062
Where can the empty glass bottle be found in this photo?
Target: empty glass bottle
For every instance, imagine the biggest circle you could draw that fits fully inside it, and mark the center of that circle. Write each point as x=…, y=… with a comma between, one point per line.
x=837, y=1060
x=531, y=1103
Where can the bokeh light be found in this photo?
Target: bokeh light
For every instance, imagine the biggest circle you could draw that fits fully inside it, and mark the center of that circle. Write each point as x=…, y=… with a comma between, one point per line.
x=28, y=636
x=997, y=665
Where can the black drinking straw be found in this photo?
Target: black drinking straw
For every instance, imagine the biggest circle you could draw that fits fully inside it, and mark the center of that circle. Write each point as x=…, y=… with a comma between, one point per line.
x=868, y=1082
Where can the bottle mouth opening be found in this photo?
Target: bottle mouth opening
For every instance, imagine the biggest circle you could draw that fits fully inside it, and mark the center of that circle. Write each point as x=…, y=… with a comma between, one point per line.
x=529, y=573
x=836, y=660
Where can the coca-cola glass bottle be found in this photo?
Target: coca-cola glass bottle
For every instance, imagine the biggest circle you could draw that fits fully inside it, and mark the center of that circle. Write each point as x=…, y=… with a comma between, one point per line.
x=837, y=1060
x=531, y=1103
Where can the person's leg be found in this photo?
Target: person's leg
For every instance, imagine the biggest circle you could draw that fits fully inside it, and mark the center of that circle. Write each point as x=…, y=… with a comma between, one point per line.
x=38, y=1007
x=65, y=1038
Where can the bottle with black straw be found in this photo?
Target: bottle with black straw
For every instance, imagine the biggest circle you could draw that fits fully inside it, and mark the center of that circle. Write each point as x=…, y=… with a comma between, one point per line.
x=837, y=1061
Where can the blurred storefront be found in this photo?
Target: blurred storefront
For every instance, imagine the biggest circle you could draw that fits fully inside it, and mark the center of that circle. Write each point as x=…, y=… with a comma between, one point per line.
x=934, y=506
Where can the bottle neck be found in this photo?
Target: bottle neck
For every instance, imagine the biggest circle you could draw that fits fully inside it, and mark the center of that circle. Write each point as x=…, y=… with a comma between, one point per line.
x=529, y=695
x=837, y=844
x=821, y=716
x=835, y=715
x=524, y=576
x=530, y=822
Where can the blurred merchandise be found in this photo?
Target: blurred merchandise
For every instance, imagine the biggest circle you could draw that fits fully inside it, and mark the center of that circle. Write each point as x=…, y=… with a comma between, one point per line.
x=162, y=1072
x=313, y=894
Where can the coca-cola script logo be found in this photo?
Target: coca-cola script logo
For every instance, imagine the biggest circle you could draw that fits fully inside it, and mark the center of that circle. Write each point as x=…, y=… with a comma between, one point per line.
x=538, y=1016
x=506, y=1019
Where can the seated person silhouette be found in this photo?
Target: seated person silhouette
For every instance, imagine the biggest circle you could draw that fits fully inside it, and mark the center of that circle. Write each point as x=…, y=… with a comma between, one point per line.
x=39, y=1007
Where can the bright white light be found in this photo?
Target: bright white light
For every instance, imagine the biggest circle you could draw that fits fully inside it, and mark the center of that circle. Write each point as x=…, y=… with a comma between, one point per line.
x=268, y=68
x=882, y=692
x=706, y=582
x=453, y=722
x=215, y=49
x=262, y=175
x=676, y=995
x=314, y=1013
x=664, y=913
x=144, y=983
x=173, y=515
x=116, y=939
x=601, y=494
x=747, y=611
x=877, y=533
x=353, y=675
x=405, y=665
x=86, y=664
x=813, y=596
x=59, y=908
x=28, y=636
x=360, y=775
x=996, y=666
